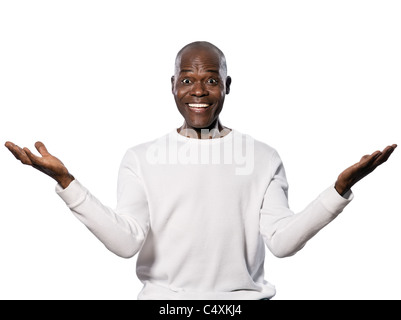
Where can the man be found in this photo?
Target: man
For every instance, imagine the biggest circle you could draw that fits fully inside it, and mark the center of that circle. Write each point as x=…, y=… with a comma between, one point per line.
x=200, y=204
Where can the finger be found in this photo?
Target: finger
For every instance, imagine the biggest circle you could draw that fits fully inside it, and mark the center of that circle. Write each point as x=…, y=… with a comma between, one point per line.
x=34, y=159
x=13, y=149
x=385, y=155
x=390, y=148
x=41, y=148
x=11, y=146
x=369, y=159
x=19, y=153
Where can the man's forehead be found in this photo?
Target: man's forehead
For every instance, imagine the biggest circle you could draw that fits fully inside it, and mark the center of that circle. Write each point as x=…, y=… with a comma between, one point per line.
x=206, y=60
x=216, y=71
x=187, y=66
x=200, y=57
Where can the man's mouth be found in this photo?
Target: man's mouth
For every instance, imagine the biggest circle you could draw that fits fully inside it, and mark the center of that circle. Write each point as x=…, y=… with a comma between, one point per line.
x=198, y=105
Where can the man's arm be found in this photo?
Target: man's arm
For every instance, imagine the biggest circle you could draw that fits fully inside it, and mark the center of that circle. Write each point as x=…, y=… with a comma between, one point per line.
x=284, y=232
x=359, y=170
x=122, y=230
x=47, y=163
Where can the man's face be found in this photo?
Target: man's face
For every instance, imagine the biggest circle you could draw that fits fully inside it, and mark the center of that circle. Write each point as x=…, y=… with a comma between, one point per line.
x=199, y=87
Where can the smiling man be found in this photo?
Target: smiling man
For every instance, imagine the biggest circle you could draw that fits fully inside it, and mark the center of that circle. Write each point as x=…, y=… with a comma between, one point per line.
x=199, y=225
x=199, y=87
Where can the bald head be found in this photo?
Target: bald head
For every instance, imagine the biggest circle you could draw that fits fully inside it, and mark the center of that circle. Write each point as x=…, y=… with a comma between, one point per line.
x=200, y=84
x=201, y=46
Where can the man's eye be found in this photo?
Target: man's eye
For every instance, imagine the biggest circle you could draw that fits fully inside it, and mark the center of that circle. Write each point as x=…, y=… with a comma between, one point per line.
x=186, y=81
x=212, y=81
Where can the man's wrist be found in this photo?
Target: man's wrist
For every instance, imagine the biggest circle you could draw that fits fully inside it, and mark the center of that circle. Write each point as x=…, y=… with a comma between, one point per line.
x=341, y=189
x=65, y=181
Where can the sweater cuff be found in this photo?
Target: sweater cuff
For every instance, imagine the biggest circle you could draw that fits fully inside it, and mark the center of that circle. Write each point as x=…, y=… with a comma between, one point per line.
x=73, y=195
x=333, y=201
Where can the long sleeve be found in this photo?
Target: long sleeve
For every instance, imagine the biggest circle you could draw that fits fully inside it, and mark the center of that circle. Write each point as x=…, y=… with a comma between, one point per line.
x=286, y=232
x=199, y=227
x=122, y=230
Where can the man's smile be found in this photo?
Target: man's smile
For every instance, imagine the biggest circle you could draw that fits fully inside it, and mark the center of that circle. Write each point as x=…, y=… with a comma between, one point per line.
x=198, y=107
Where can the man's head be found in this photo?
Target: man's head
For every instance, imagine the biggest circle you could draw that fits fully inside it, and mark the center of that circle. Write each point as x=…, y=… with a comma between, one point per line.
x=200, y=83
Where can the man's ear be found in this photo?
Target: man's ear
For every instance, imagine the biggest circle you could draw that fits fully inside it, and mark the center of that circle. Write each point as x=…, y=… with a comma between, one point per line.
x=172, y=83
x=228, y=84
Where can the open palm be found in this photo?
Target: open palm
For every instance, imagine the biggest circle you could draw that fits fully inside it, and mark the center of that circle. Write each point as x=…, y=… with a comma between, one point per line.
x=361, y=169
x=45, y=163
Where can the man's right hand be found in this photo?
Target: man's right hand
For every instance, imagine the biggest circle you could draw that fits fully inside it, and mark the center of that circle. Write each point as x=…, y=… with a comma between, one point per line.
x=47, y=163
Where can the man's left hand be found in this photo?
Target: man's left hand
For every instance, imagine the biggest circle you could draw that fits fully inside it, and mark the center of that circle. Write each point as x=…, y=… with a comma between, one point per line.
x=361, y=169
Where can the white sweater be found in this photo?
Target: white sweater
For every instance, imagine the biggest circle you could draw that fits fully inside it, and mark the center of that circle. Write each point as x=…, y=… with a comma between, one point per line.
x=199, y=213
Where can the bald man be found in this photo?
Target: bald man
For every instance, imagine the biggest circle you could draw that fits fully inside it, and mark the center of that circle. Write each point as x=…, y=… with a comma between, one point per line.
x=200, y=204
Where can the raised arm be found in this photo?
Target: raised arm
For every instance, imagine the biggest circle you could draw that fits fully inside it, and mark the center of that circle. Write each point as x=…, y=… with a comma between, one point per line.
x=47, y=163
x=285, y=233
x=121, y=230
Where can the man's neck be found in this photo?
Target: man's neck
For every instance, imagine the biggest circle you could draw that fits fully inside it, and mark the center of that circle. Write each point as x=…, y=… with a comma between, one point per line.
x=213, y=132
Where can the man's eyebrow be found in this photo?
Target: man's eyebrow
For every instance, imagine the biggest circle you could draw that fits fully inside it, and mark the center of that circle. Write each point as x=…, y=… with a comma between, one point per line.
x=209, y=70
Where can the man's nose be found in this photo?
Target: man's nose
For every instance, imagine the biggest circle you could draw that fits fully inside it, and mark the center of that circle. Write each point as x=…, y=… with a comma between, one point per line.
x=199, y=90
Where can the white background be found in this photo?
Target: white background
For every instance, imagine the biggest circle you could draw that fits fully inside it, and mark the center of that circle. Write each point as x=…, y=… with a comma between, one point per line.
x=318, y=80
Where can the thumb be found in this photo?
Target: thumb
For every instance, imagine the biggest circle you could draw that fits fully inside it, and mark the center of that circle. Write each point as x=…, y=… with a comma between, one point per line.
x=41, y=148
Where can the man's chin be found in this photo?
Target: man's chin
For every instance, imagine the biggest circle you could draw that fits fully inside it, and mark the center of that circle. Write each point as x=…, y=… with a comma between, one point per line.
x=198, y=126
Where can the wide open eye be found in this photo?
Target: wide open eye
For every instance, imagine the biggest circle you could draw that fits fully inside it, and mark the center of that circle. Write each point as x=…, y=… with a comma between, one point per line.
x=212, y=81
x=185, y=81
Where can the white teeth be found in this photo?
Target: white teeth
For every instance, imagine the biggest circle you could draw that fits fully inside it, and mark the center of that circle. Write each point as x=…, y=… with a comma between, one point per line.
x=198, y=105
